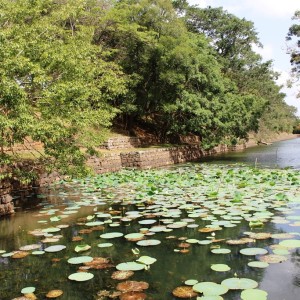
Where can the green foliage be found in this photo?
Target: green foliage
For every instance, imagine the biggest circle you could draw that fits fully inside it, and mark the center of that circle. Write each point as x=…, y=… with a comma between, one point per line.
x=55, y=83
x=294, y=36
x=69, y=69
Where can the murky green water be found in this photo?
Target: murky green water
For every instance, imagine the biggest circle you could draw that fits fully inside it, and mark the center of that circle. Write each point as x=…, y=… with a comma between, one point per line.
x=192, y=196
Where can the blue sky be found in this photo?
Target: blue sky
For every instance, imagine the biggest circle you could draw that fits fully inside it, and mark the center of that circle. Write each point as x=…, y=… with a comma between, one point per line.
x=272, y=19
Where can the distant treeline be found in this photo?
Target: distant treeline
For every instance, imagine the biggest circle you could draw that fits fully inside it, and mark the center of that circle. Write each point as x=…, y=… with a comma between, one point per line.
x=70, y=69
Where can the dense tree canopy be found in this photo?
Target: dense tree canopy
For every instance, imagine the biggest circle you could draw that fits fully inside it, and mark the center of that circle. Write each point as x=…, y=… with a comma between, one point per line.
x=70, y=69
x=294, y=36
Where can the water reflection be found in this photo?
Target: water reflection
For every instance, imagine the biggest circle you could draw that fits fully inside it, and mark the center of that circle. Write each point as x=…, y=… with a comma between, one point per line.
x=278, y=155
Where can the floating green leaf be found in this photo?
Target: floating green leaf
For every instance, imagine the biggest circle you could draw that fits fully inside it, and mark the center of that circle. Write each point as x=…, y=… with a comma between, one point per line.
x=210, y=288
x=81, y=276
x=253, y=251
x=220, y=267
x=251, y=294
x=28, y=290
x=82, y=248
x=79, y=260
x=111, y=235
x=147, y=260
x=55, y=248
x=130, y=266
x=239, y=283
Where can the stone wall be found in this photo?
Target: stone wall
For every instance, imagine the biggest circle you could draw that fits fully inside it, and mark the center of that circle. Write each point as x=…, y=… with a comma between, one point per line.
x=106, y=163
x=6, y=203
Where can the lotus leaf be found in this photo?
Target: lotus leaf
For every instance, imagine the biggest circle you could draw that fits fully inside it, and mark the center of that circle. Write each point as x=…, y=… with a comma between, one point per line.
x=121, y=275
x=54, y=293
x=221, y=251
x=82, y=248
x=253, y=251
x=95, y=223
x=210, y=298
x=134, y=236
x=79, y=260
x=51, y=229
x=148, y=242
x=38, y=252
x=273, y=258
x=239, y=283
x=256, y=294
x=184, y=292
x=55, y=248
x=258, y=264
x=55, y=219
x=191, y=282
x=290, y=243
x=130, y=266
x=220, y=267
x=8, y=254
x=133, y=296
x=111, y=235
x=105, y=245
x=147, y=260
x=20, y=254
x=132, y=286
x=30, y=247
x=81, y=276
x=28, y=290
x=210, y=288
x=281, y=252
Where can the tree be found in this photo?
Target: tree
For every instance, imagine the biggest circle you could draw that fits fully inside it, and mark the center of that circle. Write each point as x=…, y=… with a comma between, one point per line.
x=55, y=83
x=294, y=35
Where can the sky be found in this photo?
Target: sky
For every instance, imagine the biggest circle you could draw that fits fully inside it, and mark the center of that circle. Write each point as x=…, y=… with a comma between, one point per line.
x=272, y=19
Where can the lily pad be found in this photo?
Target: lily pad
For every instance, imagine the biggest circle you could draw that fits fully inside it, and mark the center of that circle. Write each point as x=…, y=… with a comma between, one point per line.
x=210, y=288
x=290, y=243
x=134, y=236
x=79, y=260
x=82, y=248
x=184, y=292
x=221, y=251
x=239, y=283
x=55, y=248
x=191, y=282
x=220, y=267
x=130, y=266
x=147, y=260
x=111, y=235
x=38, y=252
x=258, y=264
x=51, y=230
x=273, y=258
x=253, y=251
x=105, y=245
x=81, y=276
x=146, y=243
x=256, y=294
x=95, y=223
x=54, y=293
x=28, y=290
x=210, y=298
